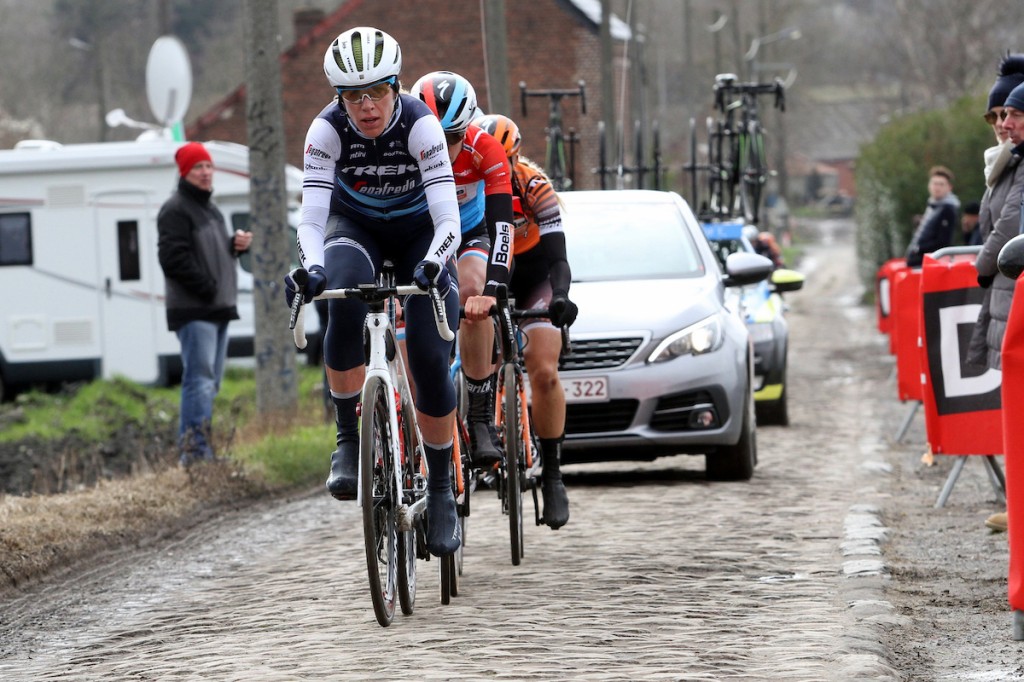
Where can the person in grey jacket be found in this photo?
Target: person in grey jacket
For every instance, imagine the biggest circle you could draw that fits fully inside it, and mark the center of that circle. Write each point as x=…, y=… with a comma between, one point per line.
x=197, y=256
x=1010, y=75
x=999, y=221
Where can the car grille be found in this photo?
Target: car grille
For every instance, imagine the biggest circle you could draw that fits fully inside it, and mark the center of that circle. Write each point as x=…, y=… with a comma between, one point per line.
x=599, y=353
x=672, y=413
x=614, y=415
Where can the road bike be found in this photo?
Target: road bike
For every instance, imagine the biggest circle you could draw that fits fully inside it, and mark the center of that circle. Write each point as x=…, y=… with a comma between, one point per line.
x=392, y=468
x=740, y=159
x=619, y=170
x=521, y=465
x=736, y=161
x=559, y=164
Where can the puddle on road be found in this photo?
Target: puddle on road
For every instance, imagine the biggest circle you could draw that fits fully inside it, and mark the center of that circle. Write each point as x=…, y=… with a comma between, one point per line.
x=784, y=578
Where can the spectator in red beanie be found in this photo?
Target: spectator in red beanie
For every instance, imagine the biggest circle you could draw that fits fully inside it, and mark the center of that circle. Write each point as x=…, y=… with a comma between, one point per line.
x=197, y=255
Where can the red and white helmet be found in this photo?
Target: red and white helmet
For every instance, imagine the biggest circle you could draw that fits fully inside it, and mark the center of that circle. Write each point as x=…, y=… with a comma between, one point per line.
x=450, y=96
x=362, y=56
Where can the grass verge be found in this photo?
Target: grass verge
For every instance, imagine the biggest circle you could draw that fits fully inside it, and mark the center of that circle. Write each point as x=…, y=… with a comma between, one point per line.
x=125, y=487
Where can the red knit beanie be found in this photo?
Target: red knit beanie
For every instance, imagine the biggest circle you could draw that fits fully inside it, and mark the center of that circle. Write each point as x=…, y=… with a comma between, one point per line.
x=189, y=155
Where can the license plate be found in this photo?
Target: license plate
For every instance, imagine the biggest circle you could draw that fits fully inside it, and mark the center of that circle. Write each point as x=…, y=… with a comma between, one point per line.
x=585, y=390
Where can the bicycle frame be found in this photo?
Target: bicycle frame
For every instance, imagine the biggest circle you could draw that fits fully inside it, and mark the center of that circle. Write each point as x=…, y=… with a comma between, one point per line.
x=561, y=173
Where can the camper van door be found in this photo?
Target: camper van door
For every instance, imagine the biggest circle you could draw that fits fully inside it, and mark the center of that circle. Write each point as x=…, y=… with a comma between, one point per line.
x=128, y=286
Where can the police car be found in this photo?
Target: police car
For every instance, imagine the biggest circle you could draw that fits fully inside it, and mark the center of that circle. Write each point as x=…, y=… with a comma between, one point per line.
x=762, y=308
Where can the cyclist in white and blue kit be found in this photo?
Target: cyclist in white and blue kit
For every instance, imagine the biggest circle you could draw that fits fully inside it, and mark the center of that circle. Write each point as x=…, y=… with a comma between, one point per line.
x=378, y=185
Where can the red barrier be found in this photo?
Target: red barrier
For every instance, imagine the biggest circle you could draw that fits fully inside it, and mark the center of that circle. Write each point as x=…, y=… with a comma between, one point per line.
x=883, y=295
x=905, y=332
x=962, y=402
x=1013, y=439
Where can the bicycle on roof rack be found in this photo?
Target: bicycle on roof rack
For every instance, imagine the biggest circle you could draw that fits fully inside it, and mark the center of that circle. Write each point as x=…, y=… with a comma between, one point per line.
x=560, y=152
x=737, y=165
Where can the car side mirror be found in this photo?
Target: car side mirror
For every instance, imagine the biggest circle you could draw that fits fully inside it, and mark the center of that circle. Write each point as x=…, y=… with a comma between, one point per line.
x=743, y=268
x=783, y=280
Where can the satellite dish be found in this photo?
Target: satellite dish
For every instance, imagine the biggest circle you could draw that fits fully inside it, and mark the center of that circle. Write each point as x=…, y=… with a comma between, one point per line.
x=168, y=80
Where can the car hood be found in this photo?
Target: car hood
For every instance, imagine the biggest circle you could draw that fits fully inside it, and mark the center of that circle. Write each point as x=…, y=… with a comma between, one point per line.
x=658, y=306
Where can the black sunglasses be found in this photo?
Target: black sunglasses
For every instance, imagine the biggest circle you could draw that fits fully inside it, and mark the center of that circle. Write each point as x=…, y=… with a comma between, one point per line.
x=991, y=116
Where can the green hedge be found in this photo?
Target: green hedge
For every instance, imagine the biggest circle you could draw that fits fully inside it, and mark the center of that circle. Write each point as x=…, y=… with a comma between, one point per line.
x=892, y=175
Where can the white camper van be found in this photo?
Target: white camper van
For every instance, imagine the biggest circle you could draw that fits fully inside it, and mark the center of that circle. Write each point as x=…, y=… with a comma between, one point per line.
x=83, y=292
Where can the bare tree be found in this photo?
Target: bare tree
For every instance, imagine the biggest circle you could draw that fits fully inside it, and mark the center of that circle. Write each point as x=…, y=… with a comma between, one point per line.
x=276, y=379
x=945, y=48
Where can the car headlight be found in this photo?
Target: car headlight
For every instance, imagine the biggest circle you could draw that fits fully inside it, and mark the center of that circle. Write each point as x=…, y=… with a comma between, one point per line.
x=761, y=331
x=697, y=339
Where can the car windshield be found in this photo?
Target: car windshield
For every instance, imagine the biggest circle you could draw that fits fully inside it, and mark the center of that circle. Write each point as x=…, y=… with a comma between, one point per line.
x=621, y=241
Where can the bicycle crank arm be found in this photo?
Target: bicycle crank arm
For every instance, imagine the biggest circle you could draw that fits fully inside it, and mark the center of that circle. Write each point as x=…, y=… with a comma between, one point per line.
x=407, y=514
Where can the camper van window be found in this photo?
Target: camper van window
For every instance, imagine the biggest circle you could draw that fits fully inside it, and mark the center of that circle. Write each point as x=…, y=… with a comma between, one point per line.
x=15, y=239
x=128, y=249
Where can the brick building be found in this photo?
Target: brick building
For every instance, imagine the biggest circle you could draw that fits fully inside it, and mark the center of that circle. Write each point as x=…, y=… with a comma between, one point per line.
x=551, y=44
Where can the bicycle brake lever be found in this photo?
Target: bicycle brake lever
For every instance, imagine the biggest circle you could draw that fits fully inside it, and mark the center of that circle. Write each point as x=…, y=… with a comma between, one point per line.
x=301, y=279
x=440, y=316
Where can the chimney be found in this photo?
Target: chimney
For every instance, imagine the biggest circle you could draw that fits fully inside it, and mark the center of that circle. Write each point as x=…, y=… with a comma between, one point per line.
x=305, y=19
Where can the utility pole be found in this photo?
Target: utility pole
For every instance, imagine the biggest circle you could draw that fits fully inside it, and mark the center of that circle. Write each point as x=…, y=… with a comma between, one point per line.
x=608, y=83
x=276, y=377
x=736, y=42
x=496, y=57
x=637, y=86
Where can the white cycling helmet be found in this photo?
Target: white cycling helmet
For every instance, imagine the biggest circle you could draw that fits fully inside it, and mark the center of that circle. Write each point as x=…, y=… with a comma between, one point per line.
x=362, y=56
x=450, y=96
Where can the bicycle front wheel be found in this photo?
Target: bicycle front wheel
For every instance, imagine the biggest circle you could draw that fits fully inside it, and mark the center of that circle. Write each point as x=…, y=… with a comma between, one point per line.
x=379, y=499
x=513, y=473
x=450, y=566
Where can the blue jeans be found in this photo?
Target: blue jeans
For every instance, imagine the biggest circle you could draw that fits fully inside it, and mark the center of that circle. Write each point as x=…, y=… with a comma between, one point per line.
x=204, y=347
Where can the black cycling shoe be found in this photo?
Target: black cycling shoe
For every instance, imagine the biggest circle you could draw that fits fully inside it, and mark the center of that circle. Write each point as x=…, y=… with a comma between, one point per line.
x=444, y=533
x=343, y=483
x=556, y=501
x=484, y=449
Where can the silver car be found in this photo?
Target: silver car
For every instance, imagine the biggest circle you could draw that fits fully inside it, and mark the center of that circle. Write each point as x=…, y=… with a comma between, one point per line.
x=659, y=365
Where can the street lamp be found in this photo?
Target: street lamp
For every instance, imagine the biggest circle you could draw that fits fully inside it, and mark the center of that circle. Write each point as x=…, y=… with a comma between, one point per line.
x=101, y=100
x=791, y=33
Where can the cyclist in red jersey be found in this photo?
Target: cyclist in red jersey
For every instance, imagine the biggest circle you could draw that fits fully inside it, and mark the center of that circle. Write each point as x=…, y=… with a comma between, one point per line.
x=540, y=278
x=484, y=190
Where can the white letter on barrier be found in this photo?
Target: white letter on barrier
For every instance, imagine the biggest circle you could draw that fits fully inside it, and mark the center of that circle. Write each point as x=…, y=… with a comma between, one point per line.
x=956, y=384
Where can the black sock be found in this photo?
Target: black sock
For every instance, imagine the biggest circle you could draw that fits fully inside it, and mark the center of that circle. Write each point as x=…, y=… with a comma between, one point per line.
x=481, y=399
x=345, y=416
x=438, y=460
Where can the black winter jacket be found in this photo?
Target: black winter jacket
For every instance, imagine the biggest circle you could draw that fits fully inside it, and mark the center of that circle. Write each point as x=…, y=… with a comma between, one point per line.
x=198, y=259
x=936, y=229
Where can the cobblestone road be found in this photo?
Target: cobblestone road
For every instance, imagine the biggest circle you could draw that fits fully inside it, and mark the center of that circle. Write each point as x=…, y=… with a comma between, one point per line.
x=659, y=575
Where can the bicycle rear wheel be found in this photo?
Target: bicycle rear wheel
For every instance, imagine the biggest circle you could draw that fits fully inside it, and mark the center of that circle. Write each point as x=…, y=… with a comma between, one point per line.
x=407, y=538
x=755, y=173
x=513, y=445
x=379, y=499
